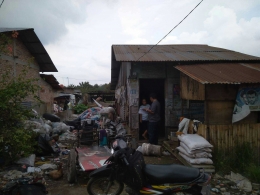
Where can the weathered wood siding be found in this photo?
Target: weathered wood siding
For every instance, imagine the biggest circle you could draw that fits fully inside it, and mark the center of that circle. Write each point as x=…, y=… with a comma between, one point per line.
x=191, y=89
x=219, y=112
x=133, y=103
x=226, y=136
x=221, y=92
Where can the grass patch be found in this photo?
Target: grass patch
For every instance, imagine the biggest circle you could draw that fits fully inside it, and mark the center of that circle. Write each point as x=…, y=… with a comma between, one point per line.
x=242, y=158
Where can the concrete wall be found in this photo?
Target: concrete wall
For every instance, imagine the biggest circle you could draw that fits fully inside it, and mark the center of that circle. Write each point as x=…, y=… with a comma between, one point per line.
x=173, y=103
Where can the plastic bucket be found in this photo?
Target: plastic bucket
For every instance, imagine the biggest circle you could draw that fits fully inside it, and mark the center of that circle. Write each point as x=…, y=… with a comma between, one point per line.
x=151, y=150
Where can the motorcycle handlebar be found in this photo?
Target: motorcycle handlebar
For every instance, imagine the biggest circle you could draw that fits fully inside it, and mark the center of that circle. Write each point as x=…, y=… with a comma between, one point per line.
x=125, y=160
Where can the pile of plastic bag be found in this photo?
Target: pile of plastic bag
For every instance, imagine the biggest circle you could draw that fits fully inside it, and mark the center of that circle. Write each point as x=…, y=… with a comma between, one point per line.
x=195, y=149
x=91, y=113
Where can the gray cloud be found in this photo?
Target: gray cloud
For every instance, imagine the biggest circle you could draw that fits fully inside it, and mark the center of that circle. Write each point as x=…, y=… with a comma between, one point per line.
x=78, y=34
x=49, y=18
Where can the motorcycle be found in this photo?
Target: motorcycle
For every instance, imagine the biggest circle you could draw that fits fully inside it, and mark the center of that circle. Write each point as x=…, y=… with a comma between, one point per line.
x=153, y=179
x=115, y=129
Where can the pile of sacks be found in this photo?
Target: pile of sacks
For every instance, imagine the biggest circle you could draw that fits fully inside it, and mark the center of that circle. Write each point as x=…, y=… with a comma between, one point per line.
x=195, y=149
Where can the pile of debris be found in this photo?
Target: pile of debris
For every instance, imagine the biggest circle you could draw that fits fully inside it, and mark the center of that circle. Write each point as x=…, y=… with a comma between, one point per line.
x=233, y=183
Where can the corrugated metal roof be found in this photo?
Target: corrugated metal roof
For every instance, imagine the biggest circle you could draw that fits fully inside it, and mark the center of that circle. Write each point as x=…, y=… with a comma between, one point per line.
x=131, y=53
x=35, y=47
x=222, y=73
x=51, y=80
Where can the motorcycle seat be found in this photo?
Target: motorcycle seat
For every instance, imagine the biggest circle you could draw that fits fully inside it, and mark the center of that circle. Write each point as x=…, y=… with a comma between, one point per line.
x=174, y=173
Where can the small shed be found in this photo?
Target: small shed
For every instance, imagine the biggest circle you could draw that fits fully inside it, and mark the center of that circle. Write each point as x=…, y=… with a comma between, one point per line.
x=196, y=81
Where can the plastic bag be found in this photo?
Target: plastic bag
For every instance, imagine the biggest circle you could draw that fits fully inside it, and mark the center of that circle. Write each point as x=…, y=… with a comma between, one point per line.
x=242, y=182
x=48, y=166
x=28, y=160
x=47, y=128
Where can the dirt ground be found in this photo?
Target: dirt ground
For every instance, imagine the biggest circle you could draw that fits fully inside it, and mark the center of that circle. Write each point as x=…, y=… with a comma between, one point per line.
x=61, y=187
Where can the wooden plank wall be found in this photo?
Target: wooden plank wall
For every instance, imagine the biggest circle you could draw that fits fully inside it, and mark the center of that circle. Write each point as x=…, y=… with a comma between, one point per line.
x=191, y=89
x=225, y=136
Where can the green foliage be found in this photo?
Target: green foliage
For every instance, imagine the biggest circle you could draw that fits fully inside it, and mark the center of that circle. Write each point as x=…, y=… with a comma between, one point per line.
x=15, y=139
x=80, y=108
x=253, y=172
x=241, y=159
x=86, y=87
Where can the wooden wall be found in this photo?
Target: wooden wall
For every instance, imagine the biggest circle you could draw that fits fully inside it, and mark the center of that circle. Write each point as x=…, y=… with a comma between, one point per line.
x=191, y=89
x=219, y=112
x=221, y=92
x=225, y=136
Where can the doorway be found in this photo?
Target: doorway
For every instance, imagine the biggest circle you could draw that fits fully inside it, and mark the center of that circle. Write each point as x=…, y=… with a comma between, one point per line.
x=148, y=86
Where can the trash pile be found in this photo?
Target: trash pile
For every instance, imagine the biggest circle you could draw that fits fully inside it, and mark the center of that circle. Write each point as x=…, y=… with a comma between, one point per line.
x=195, y=149
x=91, y=113
x=28, y=176
x=233, y=183
x=44, y=126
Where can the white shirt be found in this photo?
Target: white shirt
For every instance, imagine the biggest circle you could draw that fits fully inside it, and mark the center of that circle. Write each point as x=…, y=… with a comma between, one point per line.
x=144, y=113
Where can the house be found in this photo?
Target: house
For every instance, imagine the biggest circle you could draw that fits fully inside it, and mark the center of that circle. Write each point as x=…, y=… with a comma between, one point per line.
x=195, y=81
x=50, y=91
x=26, y=49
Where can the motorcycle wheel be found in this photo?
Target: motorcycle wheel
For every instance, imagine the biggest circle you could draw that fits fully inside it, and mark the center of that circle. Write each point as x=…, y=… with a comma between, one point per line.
x=194, y=190
x=98, y=185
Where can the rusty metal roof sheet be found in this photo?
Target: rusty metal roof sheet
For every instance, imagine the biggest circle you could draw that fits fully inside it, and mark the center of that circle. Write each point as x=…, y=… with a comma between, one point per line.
x=128, y=53
x=223, y=73
x=35, y=47
x=51, y=80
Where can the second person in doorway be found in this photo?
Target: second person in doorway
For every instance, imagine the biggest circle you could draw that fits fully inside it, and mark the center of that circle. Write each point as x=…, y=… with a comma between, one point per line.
x=144, y=118
x=154, y=119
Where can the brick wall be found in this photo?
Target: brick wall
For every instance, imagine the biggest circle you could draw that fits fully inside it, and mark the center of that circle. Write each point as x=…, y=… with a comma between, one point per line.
x=21, y=57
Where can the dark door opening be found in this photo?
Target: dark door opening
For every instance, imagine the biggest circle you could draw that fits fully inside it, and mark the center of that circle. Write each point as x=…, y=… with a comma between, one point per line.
x=148, y=86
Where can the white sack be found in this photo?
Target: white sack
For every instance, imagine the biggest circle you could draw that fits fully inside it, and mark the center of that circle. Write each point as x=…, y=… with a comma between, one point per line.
x=197, y=160
x=194, y=141
x=184, y=125
x=195, y=155
x=194, y=151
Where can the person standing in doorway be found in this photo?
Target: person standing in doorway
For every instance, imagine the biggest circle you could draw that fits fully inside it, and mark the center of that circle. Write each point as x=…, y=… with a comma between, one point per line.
x=144, y=118
x=154, y=119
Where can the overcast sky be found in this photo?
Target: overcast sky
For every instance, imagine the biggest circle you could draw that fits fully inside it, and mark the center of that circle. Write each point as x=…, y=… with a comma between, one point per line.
x=78, y=34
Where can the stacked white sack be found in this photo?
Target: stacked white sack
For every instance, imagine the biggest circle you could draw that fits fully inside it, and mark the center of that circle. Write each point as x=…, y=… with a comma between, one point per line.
x=195, y=149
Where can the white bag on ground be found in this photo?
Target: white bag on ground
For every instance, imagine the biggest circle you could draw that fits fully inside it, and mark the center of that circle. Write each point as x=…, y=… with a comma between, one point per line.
x=194, y=141
x=60, y=127
x=47, y=128
x=197, y=161
x=184, y=146
x=32, y=125
x=242, y=182
x=28, y=160
x=195, y=155
x=48, y=166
